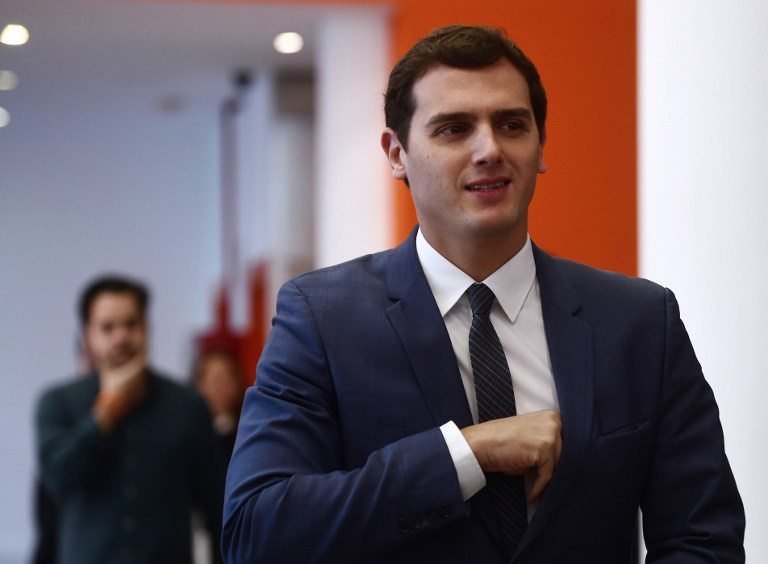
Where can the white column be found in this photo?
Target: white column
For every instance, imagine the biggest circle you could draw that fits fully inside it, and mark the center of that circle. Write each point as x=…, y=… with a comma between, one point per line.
x=290, y=201
x=704, y=208
x=352, y=205
x=256, y=155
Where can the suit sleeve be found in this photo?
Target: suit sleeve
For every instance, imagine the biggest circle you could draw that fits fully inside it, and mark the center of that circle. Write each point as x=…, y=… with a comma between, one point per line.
x=69, y=449
x=692, y=511
x=290, y=497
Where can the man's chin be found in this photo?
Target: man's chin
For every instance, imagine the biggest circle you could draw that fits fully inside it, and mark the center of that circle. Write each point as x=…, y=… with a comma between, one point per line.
x=498, y=226
x=118, y=361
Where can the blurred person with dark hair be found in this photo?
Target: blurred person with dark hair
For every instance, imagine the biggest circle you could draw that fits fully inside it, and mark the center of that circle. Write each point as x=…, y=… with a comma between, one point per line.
x=219, y=379
x=126, y=452
x=466, y=397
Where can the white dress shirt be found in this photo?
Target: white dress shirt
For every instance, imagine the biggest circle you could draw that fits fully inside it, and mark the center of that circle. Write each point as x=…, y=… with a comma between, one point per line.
x=516, y=317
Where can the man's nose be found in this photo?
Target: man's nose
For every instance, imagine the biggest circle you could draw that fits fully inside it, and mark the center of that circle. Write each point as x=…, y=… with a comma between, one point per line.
x=121, y=333
x=486, y=149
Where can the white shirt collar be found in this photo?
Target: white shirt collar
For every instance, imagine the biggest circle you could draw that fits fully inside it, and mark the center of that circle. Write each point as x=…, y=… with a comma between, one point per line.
x=511, y=283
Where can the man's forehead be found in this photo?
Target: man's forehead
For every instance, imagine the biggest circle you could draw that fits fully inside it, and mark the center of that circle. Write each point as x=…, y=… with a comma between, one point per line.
x=447, y=89
x=109, y=302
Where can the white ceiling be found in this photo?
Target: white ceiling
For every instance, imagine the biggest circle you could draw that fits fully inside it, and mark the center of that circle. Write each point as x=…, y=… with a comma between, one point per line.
x=88, y=53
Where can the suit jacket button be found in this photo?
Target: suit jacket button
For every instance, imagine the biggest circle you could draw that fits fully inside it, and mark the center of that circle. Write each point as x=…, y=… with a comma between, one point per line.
x=433, y=516
x=444, y=510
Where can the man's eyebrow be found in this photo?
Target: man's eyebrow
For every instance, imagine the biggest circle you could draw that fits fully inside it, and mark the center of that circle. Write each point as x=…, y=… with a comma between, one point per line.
x=498, y=115
x=441, y=118
x=511, y=113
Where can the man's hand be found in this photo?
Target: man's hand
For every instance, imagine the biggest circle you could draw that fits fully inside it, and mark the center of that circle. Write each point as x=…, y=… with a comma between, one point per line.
x=515, y=445
x=124, y=378
x=122, y=388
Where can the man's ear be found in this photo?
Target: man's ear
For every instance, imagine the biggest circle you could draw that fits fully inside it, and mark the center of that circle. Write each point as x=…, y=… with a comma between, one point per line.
x=542, y=165
x=85, y=361
x=395, y=152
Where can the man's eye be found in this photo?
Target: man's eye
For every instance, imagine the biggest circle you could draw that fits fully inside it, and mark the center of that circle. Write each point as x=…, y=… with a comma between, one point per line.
x=451, y=130
x=514, y=126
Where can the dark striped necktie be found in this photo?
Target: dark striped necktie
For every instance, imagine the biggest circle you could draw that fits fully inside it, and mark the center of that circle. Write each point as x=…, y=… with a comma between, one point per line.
x=495, y=399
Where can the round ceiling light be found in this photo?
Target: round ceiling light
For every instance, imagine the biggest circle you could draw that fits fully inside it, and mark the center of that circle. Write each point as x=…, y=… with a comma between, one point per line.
x=14, y=34
x=288, y=42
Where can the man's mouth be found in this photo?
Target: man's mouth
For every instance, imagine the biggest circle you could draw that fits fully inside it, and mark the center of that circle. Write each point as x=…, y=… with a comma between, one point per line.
x=123, y=353
x=487, y=186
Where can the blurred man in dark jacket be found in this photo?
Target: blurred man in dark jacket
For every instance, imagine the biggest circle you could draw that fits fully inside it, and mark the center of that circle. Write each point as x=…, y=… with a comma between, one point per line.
x=127, y=452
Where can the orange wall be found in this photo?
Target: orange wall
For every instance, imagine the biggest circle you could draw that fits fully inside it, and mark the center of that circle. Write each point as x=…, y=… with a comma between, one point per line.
x=585, y=207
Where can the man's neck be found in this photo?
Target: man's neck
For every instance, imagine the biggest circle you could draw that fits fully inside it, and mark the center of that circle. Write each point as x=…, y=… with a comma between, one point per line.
x=479, y=257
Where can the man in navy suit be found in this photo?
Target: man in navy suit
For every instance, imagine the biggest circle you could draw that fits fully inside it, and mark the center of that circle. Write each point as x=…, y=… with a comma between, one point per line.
x=364, y=438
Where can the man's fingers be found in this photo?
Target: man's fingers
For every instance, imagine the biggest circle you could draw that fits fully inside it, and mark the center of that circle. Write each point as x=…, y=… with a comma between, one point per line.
x=133, y=367
x=136, y=364
x=543, y=476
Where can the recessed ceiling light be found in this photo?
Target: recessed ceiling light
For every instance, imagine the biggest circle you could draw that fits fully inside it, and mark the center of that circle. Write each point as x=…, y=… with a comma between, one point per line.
x=288, y=42
x=14, y=34
x=8, y=80
x=5, y=117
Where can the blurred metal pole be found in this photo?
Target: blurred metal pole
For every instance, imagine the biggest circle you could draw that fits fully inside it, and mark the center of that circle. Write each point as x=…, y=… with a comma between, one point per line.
x=230, y=243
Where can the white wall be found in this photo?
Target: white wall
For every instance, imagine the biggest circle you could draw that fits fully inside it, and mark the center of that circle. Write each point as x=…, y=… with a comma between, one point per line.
x=255, y=157
x=291, y=202
x=703, y=207
x=353, y=209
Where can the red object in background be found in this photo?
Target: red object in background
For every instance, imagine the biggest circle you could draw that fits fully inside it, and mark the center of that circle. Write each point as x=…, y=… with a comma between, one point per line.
x=247, y=344
x=255, y=334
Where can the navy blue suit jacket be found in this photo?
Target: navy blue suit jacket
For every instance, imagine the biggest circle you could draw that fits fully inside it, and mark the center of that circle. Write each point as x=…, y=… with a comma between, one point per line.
x=339, y=457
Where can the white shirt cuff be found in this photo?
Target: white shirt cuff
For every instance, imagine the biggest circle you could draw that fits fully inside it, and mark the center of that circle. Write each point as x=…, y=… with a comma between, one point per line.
x=471, y=477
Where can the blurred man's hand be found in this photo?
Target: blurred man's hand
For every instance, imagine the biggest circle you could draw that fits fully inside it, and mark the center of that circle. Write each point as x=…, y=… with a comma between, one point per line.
x=121, y=389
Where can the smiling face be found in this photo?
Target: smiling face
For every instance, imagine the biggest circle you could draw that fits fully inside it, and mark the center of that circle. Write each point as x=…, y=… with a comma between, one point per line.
x=473, y=156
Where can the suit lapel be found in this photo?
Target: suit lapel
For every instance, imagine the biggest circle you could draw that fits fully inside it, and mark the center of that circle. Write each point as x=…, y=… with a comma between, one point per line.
x=416, y=319
x=570, y=348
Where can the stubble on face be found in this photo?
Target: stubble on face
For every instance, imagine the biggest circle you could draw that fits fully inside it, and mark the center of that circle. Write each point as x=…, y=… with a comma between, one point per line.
x=115, y=333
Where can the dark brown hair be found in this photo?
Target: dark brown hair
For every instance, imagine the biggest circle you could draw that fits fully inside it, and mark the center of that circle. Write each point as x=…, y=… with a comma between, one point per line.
x=111, y=284
x=460, y=46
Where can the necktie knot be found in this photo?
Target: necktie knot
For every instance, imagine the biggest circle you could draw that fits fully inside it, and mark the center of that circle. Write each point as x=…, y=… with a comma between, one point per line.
x=480, y=299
